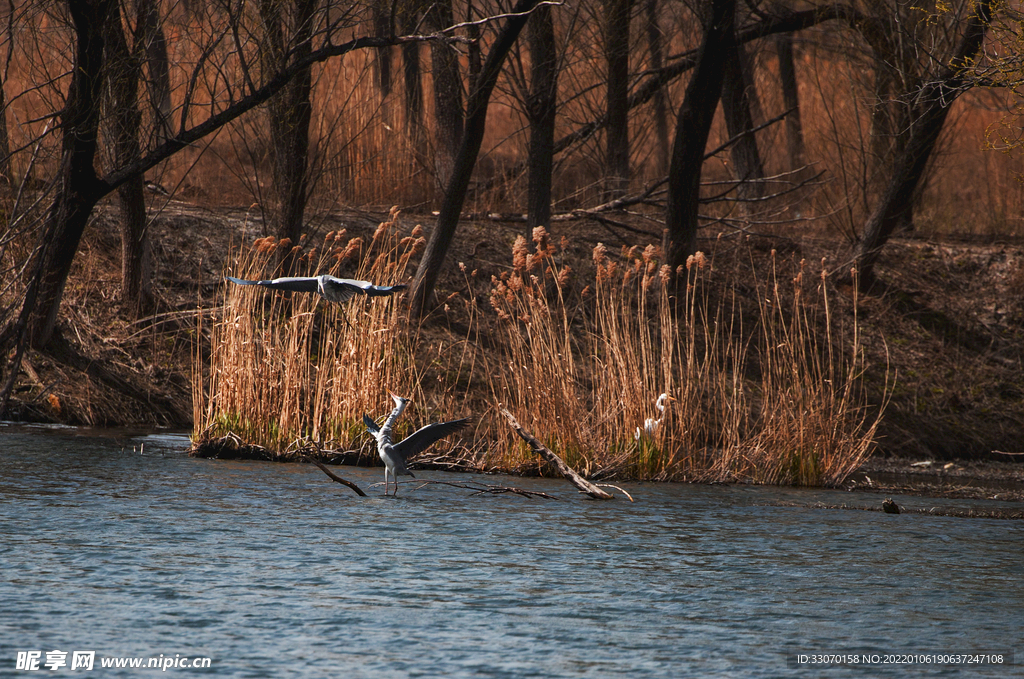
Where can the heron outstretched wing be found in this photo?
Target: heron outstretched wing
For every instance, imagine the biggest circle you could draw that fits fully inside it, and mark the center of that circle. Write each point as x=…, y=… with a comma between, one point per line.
x=344, y=289
x=427, y=436
x=295, y=284
x=371, y=426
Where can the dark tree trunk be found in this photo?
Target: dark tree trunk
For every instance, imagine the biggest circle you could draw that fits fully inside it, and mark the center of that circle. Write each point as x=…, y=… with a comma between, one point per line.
x=473, y=49
x=6, y=178
x=78, y=187
x=736, y=107
x=540, y=108
x=448, y=113
x=412, y=77
x=791, y=102
x=660, y=106
x=124, y=70
x=616, y=48
x=693, y=125
x=933, y=102
x=290, y=113
x=476, y=120
x=383, y=24
x=151, y=32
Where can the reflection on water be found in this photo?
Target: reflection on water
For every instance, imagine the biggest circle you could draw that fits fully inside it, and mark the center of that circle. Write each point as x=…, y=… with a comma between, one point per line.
x=127, y=547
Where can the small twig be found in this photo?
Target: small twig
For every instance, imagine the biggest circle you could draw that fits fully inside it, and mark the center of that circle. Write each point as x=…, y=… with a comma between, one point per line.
x=482, y=489
x=608, y=485
x=335, y=477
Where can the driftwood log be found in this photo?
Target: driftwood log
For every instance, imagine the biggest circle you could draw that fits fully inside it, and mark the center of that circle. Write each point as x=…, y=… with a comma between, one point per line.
x=567, y=471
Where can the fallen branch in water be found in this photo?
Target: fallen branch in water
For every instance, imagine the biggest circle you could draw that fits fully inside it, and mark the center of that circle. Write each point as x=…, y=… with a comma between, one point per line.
x=567, y=471
x=335, y=477
x=485, y=488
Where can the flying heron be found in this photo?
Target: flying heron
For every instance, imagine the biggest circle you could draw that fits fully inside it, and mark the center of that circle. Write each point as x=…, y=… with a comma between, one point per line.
x=395, y=455
x=330, y=288
x=650, y=424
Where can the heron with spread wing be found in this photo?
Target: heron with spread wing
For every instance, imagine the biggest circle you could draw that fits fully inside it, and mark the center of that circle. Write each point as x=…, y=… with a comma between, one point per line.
x=395, y=455
x=332, y=289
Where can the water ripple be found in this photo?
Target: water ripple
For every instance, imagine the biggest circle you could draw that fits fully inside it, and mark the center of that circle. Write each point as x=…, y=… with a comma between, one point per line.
x=127, y=547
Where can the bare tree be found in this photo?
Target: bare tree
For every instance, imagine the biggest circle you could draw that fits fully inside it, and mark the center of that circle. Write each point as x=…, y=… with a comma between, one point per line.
x=150, y=32
x=288, y=27
x=616, y=48
x=441, y=237
x=739, y=121
x=693, y=125
x=928, y=106
x=448, y=113
x=658, y=100
x=791, y=101
x=79, y=188
x=123, y=70
x=541, y=107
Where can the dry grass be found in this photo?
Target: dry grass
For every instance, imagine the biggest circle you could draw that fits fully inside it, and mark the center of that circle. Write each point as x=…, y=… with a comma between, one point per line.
x=286, y=369
x=779, y=404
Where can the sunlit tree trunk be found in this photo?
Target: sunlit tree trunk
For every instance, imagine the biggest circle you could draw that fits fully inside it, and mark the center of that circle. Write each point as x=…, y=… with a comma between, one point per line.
x=693, y=125
x=448, y=113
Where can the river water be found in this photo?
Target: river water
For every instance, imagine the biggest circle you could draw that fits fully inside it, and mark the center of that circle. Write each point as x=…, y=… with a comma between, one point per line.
x=124, y=546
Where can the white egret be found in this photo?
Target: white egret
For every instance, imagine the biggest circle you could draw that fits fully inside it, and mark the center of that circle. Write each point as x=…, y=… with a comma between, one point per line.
x=650, y=424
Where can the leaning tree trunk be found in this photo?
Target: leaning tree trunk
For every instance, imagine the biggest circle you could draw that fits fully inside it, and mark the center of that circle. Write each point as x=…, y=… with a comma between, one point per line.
x=78, y=187
x=934, y=100
x=448, y=113
x=541, y=106
x=736, y=107
x=123, y=70
x=616, y=48
x=693, y=125
x=455, y=195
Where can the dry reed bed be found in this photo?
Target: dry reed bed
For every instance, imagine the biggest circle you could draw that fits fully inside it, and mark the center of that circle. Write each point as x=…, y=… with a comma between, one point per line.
x=288, y=369
x=580, y=364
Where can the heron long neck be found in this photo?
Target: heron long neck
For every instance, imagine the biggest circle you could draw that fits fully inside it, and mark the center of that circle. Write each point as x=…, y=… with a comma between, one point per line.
x=385, y=430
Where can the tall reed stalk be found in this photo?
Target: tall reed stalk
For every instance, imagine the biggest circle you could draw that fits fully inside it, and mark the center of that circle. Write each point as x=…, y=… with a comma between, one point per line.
x=293, y=368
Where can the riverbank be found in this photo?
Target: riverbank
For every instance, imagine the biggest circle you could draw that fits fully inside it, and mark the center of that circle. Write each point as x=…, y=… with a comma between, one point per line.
x=946, y=326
